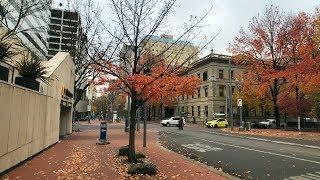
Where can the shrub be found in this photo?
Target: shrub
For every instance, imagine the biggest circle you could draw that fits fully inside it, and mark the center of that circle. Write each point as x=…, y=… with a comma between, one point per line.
x=140, y=156
x=143, y=168
x=31, y=67
x=5, y=52
x=124, y=151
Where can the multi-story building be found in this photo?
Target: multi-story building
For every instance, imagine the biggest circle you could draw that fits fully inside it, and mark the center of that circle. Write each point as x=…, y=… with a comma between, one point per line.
x=211, y=95
x=179, y=52
x=64, y=32
x=172, y=50
x=32, y=30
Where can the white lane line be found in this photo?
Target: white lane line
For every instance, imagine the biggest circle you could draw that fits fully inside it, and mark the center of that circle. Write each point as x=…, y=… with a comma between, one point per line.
x=309, y=174
x=250, y=149
x=266, y=140
x=309, y=177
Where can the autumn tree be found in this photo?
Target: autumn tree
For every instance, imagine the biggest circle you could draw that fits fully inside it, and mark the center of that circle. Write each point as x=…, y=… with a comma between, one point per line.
x=85, y=44
x=273, y=48
x=143, y=77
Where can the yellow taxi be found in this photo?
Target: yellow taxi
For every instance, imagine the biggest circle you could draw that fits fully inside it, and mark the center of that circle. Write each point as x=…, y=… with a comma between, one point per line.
x=218, y=123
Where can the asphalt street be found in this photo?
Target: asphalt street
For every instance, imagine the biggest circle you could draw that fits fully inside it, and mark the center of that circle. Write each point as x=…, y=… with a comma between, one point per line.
x=244, y=156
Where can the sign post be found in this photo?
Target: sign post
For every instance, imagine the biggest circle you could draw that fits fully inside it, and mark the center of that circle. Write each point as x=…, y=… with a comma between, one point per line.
x=299, y=125
x=239, y=103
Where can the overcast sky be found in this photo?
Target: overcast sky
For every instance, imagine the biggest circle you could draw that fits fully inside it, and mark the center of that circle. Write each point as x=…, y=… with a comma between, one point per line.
x=229, y=15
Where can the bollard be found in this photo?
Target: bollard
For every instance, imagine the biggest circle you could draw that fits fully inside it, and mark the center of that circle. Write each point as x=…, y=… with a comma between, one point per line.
x=248, y=126
x=103, y=134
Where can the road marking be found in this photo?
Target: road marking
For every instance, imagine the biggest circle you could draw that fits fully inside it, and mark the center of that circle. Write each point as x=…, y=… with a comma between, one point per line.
x=201, y=147
x=250, y=149
x=307, y=176
x=266, y=140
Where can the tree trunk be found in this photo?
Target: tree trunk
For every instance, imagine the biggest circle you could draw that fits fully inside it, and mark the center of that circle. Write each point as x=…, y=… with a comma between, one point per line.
x=275, y=94
x=276, y=113
x=133, y=109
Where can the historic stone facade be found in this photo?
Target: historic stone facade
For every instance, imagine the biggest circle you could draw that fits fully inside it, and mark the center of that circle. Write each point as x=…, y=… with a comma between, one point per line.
x=211, y=96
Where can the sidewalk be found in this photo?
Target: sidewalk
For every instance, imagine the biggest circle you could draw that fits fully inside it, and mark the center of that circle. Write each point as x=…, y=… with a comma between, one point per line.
x=78, y=157
x=310, y=136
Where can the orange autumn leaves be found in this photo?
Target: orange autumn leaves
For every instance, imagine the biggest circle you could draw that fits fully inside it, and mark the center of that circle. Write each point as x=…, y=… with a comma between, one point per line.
x=281, y=53
x=160, y=85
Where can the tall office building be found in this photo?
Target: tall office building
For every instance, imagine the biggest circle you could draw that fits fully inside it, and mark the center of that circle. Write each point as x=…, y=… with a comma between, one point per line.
x=64, y=32
x=33, y=29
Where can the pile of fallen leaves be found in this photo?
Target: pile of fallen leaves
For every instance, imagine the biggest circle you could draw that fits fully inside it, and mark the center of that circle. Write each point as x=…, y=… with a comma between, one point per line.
x=123, y=165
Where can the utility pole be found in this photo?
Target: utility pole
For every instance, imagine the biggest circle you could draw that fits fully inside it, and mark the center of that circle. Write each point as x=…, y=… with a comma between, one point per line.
x=144, y=126
x=128, y=115
x=138, y=113
x=230, y=96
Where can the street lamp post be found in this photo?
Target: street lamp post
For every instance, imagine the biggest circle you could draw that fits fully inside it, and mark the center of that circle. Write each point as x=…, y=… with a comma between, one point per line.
x=230, y=97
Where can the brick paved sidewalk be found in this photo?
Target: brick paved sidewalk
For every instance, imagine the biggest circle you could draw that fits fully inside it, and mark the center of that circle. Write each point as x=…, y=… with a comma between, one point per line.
x=78, y=157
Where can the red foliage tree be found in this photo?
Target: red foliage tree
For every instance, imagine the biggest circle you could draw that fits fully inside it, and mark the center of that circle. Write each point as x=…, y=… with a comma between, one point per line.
x=279, y=52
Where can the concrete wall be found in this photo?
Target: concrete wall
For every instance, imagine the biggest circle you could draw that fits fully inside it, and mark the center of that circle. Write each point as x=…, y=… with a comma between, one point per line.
x=28, y=123
x=30, y=120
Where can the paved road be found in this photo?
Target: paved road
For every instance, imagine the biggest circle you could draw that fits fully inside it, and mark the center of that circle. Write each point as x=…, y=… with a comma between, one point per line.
x=245, y=157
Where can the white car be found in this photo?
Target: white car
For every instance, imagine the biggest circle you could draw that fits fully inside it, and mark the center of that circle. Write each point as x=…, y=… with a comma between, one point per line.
x=172, y=121
x=267, y=123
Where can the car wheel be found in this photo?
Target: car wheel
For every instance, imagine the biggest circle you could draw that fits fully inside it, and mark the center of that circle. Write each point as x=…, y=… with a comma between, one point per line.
x=215, y=126
x=168, y=124
x=226, y=126
x=163, y=125
x=208, y=126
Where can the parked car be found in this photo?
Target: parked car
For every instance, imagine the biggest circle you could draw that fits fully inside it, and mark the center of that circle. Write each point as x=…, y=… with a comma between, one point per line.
x=255, y=124
x=267, y=123
x=221, y=122
x=172, y=121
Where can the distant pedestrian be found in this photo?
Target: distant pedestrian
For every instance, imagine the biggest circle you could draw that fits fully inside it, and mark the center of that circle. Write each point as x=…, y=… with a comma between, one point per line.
x=180, y=125
x=194, y=120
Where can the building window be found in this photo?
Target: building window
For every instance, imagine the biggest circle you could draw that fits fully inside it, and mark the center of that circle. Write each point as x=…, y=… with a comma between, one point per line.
x=205, y=91
x=232, y=75
x=199, y=93
x=192, y=111
x=205, y=76
x=199, y=76
x=220, y=73
x=232, y=89
x=182, y=97
x=206, y=111
x=182, y=109
x=222, y=109
x=199, y=111
x=178, y=109
x=221, y=91
x=192, y=96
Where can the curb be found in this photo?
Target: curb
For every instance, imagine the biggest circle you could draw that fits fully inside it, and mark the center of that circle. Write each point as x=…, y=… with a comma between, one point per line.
x=243, y=136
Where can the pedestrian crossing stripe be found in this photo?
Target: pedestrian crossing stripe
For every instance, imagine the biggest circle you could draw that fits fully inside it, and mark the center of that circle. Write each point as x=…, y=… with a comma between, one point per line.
x=307, y=176
x=201, y=147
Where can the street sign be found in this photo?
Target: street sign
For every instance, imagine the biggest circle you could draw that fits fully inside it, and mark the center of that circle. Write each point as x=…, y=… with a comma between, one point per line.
x=239, y=102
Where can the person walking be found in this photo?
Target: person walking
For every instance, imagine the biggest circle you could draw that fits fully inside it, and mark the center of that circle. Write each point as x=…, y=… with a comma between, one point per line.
x=180, y=123
x=194, y=120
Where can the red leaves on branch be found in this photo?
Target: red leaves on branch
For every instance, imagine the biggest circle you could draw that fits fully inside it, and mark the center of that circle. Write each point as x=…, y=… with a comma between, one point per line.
x=281, y=55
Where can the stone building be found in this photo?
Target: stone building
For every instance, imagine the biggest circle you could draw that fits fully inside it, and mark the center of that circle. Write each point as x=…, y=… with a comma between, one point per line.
x=211, y=96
